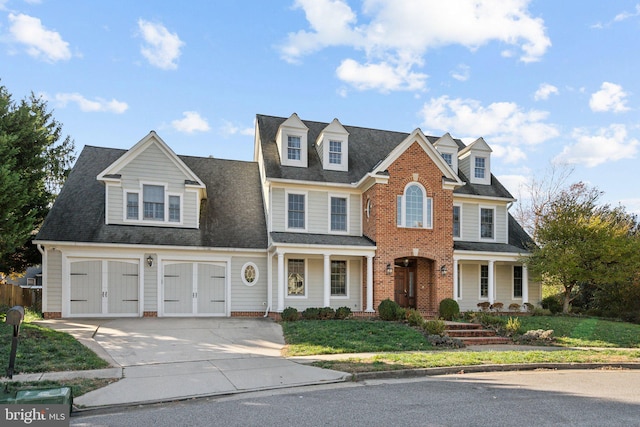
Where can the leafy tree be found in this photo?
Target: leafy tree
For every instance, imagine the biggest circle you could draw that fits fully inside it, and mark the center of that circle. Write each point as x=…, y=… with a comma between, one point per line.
x=583, y=245
x=34, y=162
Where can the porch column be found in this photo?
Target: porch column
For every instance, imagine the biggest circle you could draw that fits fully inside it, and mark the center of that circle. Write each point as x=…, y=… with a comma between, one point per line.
x=492, y=285
x=327, y=280
x=281, y=282
x=525, y=284
x=369, y=284
x=269, y=282
x=456, y=289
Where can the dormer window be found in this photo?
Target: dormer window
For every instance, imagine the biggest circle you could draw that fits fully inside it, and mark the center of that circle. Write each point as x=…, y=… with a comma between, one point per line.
x=480, y=167
x=153, y=199
x=293, y=148
x=335, y=152
x=448, y=157
x=132, y=206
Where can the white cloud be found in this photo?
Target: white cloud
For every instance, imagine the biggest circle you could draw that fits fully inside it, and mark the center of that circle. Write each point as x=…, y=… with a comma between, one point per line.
x=97, y=105
x=502, y=123
x=610, y=97
x=192, y=122
x=514, y=183
x=631, y=205
x=397, y=33
x=230, y=129
x=509, y=153
x=461, y=73
x=162, y=48
x=626, y=15
x=544, y=91
x=605, y=145
x=40, y=42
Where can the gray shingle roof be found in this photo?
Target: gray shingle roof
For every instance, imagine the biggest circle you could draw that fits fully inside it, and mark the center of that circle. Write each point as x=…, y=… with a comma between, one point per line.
x=367, y=148
x=320, y=239
x=231, y=217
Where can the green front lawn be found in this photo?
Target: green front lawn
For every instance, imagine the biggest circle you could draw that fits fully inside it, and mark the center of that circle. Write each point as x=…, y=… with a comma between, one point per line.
x=585, y=331
x=307, y=337
x=45, y=350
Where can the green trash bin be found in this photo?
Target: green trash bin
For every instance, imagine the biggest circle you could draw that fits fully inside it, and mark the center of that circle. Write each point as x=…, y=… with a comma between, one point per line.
x=7, y=398
x=51, y=396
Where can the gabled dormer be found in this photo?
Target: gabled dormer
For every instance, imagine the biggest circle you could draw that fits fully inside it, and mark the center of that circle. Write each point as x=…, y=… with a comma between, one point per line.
x=448, y=149
x=150, y=185
x=475, y=162
x=291, y=140
x=332, y=146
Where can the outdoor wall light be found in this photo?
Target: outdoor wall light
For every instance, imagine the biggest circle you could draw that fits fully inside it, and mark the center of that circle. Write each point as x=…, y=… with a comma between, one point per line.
x=389, y=269
x=443, y=270
x=150, y=261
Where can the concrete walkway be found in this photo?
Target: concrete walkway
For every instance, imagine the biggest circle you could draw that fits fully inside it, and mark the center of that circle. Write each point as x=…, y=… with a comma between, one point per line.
x=178, y=358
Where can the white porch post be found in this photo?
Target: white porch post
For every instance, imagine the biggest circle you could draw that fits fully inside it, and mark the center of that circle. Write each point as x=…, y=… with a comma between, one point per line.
x=281, y=282
x=456, y=290
x=269, y=283
x=327, y=280
x=525, y=284
x=370, y=284
x=492, y=285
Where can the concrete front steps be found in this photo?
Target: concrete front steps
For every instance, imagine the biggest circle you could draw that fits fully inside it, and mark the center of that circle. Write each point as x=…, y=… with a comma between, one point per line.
x=474, y=334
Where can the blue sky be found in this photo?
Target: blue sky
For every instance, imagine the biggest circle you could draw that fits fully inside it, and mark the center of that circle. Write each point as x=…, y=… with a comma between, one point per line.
x=541, y=81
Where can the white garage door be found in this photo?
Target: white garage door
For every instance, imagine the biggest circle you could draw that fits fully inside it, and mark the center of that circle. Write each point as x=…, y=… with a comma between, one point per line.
x=194, y=289
x=104, y=287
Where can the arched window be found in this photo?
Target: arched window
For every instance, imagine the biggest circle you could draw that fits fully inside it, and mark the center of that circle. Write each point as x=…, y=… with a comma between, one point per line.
x=414, y=208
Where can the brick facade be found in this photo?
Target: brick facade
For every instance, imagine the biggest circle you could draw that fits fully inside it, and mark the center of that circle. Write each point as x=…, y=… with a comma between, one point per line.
x=429, y=249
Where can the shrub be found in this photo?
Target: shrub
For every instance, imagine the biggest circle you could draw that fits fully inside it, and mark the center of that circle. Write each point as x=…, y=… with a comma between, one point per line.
x=512, y=326
x=290, y=314
x=514, y=307
x=311, y=313
x=449, y=309
x=434, y=327
x=541, y=312
x=484, y=305
x=552, y=303
x=390, y=310
x=414, y=317
x=445, y=341
x=343, y=313
x=537, y=335
x=326, y=313
x=530, y=307
x=496, y=323
x=497, y=307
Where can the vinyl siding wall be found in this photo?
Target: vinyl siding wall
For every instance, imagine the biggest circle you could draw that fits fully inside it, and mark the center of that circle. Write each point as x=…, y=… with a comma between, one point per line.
x=244, y=297
x=470, y=217
x=54, y=281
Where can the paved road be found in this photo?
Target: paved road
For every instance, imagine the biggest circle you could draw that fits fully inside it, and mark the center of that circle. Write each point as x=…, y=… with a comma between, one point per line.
x=543, y=398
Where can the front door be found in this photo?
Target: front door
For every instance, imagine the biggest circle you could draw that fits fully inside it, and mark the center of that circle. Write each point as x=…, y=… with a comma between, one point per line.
x=405, y=286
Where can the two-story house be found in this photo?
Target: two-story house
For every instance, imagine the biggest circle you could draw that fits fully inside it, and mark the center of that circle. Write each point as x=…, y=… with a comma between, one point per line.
x=325, y=215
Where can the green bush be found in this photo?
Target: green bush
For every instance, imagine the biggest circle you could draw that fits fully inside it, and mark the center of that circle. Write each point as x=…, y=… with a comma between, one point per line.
x=530, y=307
x=449, y=309
x=497, y=323
x=552, y=303
x=434, y=327
x=343, y=313
x=414, y=317
x=541, y=312
x=311, y=313
x=290, y=314
x=512, y=326
x=327, y=313
x=390, y=310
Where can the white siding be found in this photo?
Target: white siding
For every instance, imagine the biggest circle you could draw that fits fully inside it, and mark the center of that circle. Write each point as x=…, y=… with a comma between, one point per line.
x=115, y=207
x=278, y=210
x=317, y=212
x=54, y=281
x=248, y=298
x=151, y=284
x=471, y=222
x=470, y=286
x=355, y=220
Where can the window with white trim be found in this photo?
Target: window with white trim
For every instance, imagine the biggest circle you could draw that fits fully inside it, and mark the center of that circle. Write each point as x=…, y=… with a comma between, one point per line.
x=295, y=274
x=249, y=274
x=174, y=208
x=487, y=223
x=153, y=200
x=294, y=148
x=480, y=167
x=448, y=157
x=296, y=211
x=517, y=281
x=339, y=278
x=484, y=281
x=335, y=152
x=456, y=221
x=132, y=206
x=414, y=209
x=338, y=214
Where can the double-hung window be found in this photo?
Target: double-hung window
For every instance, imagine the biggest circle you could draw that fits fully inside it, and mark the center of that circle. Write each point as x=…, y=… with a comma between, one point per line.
x=174, y=208
x=448, y=157
x=414, y=209
x=296, y=283
x=153, y=197
x=517, y=281
x=456, y=221
x=484, y=281
x=486, y=223
x=294, y=148
x=296, y=211
x=480, y=167
x=335, y=152
x=132, y=206
x=338, y=214
x=339, y=278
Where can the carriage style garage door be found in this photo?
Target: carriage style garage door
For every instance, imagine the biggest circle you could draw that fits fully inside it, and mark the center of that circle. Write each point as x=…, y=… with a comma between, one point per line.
x=194, y=289
x=104, y=287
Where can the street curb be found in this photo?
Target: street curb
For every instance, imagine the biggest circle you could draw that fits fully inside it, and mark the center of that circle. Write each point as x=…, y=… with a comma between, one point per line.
x=425, y=372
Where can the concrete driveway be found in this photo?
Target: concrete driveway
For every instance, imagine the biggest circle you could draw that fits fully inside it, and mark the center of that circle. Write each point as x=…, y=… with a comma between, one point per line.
x=175, y=358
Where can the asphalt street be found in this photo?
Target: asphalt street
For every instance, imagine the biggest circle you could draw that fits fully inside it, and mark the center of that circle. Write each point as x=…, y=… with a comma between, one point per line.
x=540, y=398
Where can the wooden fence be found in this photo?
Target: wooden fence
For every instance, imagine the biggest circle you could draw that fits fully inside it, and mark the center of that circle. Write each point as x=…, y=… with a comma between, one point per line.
x=11, y=295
